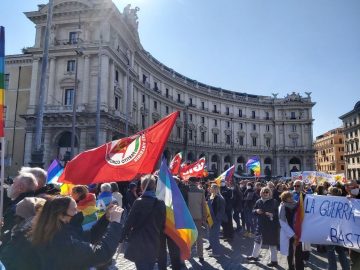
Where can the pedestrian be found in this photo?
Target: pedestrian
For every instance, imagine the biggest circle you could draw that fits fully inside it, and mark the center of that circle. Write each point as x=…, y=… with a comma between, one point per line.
x=197, y=208
x=131, y=195
x=144, y=225
x=266, y=210
x=287, y=210
x=61, y=243
x=238, y=200
x=116, y=194
x=250, y=199
x=228, y=229
x=217, y=209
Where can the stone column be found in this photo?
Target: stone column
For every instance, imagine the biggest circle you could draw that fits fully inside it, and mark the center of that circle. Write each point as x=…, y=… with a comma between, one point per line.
x=86, y=81
x=112, y=85
x=28, y=147
x=104, y=81
x=50, y=97
x=48, y=148
x=38, y=36
x=34, y=85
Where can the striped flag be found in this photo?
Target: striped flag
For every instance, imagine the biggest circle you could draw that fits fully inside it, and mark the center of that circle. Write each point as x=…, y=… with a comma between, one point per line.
x=179, y=226
x=254, y=164
x=225, y=176
x=2, y=79
x=54, y=171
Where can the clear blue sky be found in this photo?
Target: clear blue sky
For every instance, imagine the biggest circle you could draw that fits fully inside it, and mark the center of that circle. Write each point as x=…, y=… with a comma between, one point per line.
x=253, y=46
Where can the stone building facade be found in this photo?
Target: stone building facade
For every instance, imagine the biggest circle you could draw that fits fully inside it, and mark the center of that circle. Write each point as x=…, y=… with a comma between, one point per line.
x=102, y=44
x=351, y=125
x=329, y=152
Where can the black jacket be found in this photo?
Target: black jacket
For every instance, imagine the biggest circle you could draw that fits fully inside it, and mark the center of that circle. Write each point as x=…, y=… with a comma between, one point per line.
x=142, y=229
x=71, y=248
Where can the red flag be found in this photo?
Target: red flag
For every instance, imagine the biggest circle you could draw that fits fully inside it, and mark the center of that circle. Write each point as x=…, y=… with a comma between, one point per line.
x=299, y=217
x=121, y=160
x=175, y=164
x=195, y=169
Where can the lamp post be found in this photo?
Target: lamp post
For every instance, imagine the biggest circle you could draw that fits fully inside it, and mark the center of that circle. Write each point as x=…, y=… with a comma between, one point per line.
x=195, y=136
x=73, y=132
x=38, y=148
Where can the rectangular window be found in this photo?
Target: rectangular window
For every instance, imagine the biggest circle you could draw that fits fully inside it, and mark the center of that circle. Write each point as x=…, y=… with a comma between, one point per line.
x=69, y=96
x=254, y=127
x=254, y=141
x=228, y=124
x=241, y=140
x=294, y=142
x=227, y=111
x=116, y=76
x=267, y=116
x=156, y=86
x=202, y=105
x=241, y=126
x=228, y=139
x=6, y=81
x=202, y=136
x=215, y=122
x=267, y=128
x=342, y=167
x=190, y=135
x=215, y=138
x=117, y=102
x=240, y=112
x=143, y=98
x=72, y=37
x=178, y=132
x=215, y=108
x=190, y=102
x=179, y=97
x=155, y=105
x=293, y=115
x=268, y=143
x=294, y=128
x=167, y=92
x=190, y=117
x=144, y=78
x=253, y=114
x=202, y=120
x=70, y=67
x=166, y=109
x=143, y=121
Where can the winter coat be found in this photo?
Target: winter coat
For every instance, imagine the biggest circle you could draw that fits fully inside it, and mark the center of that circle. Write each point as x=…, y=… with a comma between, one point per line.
x=18, y=253
x=250, y=198
x=266, y=227
x=217, y=209
x=238, y=199
x=197, y=203
x=286, y=220
x=72, y=249
x=142, y=229
x=227, y=194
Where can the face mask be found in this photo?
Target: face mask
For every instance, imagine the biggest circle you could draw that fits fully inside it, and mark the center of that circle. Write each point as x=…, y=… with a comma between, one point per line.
x=77, y=219
x=354, y=191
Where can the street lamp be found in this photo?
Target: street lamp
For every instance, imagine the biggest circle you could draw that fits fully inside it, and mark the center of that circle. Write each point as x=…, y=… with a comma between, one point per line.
x=195, y=136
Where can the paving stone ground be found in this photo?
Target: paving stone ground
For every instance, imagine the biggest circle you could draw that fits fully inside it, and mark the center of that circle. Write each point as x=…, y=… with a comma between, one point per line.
x=234, y=258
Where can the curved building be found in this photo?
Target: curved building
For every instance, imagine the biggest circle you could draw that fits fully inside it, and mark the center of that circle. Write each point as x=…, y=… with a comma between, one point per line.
x=98, y=46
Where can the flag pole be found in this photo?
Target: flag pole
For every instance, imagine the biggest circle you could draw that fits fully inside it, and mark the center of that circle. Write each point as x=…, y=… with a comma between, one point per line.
x=2, y=179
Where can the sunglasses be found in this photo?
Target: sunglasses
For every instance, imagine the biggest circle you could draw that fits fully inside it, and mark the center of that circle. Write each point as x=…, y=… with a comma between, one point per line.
x=297, y=186
x=266, y=192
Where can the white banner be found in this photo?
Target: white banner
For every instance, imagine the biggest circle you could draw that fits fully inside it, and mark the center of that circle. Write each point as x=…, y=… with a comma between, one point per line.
x=331, y=220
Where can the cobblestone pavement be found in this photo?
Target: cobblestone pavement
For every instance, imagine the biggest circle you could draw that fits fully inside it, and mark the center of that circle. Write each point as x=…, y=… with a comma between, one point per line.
x=234, y=257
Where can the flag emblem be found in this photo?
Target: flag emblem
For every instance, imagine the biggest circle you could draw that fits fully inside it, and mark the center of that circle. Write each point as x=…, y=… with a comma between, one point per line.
x=123, y=151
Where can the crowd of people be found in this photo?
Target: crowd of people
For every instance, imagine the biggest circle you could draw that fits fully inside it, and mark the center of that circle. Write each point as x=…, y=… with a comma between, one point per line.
x=83, y=230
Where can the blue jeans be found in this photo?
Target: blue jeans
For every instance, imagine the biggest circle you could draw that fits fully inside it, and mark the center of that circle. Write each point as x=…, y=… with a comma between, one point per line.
x=214, y=234
x=144, y=265
x=344, y=262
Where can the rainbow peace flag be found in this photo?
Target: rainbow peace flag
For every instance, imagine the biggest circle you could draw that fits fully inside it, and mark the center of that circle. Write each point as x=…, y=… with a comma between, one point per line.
x=179, y=225
x=88, y=207
x=54, y=171
x=254, y=164
x=2, y=79
x=225, y=176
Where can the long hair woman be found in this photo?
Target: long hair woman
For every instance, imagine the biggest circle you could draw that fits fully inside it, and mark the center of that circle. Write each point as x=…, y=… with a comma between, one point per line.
x=58, y=236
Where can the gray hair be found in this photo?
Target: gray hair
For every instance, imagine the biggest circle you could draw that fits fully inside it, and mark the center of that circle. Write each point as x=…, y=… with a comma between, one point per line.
x=148, y=182
x=106, y=187
x=28, y=180
x=39, y=173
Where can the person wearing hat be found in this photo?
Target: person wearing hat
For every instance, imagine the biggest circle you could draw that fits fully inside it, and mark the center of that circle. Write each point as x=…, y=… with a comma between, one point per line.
x=197, y=208
x=18, y=252
x=131, y=195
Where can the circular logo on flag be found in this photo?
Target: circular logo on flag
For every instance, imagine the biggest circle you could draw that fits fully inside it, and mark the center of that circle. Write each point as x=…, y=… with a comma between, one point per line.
x=125, y=150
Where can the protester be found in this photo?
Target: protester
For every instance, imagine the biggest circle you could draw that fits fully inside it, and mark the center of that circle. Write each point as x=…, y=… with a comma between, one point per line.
x=217, y=209
x=62, y=244
x=266, y=209
x=19, y=245
x=197, y=208
x=131, y=195
x=24, y=185
x=250, y=198
x=238, y=200
x=144, y=226
x=43, y=188
x=330, y=249
x=287, y=211
x=352, y=190
x=228, y=229
x=116, y=194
